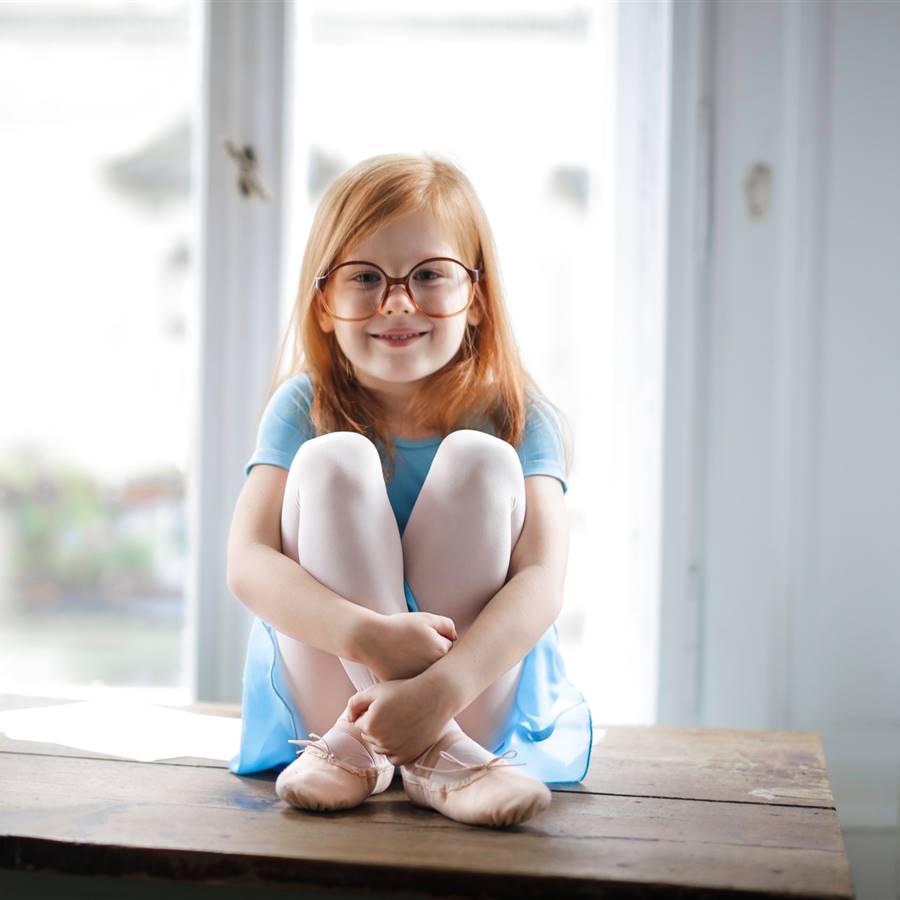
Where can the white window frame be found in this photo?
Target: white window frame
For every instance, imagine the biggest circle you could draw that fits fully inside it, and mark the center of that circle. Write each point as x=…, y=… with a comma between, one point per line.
x=245, y=56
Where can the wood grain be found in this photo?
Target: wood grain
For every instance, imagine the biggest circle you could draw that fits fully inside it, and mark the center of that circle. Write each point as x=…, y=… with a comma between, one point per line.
x=665, y=811
x=781, y=767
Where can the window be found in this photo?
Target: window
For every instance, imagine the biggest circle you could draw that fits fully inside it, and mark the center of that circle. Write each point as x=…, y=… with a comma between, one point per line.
x=98, y=290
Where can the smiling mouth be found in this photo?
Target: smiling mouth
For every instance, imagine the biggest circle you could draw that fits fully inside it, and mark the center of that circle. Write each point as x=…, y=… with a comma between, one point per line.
x=399, y=340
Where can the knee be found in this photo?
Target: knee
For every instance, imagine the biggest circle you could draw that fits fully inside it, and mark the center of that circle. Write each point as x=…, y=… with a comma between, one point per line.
x=343, y=458
x=480, y=459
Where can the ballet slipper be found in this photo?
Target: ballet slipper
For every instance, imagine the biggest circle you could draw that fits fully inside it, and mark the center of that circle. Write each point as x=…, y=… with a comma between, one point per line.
x=336, y=770
x=472, y=785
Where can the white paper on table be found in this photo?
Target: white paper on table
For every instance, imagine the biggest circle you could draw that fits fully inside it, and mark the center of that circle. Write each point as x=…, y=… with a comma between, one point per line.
x=131, y=730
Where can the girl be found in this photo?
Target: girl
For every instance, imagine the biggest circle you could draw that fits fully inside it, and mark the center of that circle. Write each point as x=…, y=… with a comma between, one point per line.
x=402, y=535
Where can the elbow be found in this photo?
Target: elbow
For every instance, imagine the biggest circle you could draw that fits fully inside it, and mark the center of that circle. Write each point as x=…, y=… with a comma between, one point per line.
x=546, y=590
x=554, y=607
x=559, y=607
x=555, y=583
x=233, y=570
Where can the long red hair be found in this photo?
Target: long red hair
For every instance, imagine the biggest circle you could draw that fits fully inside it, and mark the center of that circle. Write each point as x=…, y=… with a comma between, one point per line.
x=485, y=381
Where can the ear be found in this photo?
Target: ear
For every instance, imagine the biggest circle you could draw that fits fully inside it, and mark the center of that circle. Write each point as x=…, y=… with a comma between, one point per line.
x=475, y=312
x=326, y=323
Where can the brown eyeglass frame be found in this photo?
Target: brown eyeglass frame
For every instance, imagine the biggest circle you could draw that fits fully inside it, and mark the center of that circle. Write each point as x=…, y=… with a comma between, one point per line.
x=390, y=281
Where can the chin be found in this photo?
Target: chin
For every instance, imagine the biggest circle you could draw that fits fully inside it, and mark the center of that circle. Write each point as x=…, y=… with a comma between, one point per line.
x=400, y=373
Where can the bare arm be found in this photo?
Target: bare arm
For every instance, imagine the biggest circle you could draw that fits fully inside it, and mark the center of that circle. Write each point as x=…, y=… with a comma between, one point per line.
x=270, y=584
x=514, y=619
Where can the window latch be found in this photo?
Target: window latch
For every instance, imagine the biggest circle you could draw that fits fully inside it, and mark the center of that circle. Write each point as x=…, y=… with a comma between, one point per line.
x=249, y=181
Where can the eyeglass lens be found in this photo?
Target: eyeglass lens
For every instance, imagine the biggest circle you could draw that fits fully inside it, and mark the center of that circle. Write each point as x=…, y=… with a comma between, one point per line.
x=439, y=287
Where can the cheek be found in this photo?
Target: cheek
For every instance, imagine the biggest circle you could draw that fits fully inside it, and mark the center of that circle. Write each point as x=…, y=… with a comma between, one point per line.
x=351, y=339
x=450, y=336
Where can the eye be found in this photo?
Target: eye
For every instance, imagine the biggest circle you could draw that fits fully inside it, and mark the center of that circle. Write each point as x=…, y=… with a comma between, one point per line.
x=366, y=278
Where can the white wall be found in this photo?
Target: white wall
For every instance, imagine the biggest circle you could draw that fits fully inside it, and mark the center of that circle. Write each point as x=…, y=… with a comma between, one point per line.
x=846, y=649
x=796, y=520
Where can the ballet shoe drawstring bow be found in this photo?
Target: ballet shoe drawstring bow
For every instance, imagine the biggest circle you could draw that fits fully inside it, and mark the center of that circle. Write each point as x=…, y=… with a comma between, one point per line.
x=313, y=742
x=496, y=762
x=328, y=753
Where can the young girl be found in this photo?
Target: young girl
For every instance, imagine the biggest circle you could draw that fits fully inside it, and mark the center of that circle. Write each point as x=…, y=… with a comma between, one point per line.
x=402, y=535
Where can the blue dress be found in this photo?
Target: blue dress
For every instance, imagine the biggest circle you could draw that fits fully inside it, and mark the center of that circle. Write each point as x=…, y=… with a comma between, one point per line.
x=549, y=723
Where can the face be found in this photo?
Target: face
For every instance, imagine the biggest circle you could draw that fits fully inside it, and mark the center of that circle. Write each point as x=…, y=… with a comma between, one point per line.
x=393, y=371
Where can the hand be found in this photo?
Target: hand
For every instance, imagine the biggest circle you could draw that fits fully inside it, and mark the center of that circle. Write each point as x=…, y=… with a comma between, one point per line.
x=401, y=719
x=403, y=645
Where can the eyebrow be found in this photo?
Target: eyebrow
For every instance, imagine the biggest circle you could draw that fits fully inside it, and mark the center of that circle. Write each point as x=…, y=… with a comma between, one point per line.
x=418, y=260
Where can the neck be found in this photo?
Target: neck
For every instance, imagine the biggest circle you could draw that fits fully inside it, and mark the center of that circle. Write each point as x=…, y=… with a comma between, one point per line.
x=394, y=398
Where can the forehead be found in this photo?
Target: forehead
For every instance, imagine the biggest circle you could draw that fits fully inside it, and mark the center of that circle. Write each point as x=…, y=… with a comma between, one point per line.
x=406, y=240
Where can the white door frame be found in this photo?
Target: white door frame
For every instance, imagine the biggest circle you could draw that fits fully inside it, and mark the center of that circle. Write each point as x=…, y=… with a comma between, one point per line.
x=687, y=285
x=736, y=552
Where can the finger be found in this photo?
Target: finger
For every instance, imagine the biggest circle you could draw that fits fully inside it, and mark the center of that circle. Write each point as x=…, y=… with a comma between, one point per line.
x=371, y=742
x=357, y=705
x=444, y=626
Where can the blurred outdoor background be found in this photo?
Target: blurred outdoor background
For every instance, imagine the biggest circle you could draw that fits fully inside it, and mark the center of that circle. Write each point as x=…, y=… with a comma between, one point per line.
x=97, y=281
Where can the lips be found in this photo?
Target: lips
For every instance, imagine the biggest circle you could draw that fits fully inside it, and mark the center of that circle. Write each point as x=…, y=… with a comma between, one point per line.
x=399, y=338
x=399, y=332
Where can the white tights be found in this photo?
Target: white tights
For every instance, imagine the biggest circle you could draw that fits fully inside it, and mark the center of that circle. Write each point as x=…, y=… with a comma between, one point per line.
x=454, y=553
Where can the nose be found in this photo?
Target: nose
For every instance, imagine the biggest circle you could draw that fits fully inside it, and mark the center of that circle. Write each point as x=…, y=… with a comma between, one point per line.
x=397, y=302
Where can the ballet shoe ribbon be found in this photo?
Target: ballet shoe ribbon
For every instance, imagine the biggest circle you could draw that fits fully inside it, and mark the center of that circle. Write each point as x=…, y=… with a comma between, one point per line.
x=314, y=742
x=327, y=753
x=496, y=762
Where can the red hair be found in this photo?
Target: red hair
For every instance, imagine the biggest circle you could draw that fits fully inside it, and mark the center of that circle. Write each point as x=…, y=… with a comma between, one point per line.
x=485, y=381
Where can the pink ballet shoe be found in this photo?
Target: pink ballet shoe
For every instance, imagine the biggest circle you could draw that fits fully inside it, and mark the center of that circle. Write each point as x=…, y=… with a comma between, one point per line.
x=482, y=792
x=321, y=779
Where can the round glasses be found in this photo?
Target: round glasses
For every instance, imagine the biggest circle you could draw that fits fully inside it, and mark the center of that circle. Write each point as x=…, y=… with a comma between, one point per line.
x=438, y=286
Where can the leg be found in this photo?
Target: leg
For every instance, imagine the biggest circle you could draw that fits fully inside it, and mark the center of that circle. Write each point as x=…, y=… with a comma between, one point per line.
x=457, y=546
x=349, y=542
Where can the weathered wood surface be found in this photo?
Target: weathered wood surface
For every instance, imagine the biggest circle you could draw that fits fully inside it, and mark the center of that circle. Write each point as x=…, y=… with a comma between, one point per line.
x=770, y=767
x=665, y=811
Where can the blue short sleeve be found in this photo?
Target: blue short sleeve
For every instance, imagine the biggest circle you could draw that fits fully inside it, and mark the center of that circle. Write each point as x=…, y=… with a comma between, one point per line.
x=285, y=424
x=541, y=451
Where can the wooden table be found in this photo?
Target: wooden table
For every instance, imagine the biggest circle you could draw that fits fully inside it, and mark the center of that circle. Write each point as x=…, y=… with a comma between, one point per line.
x=664, y=812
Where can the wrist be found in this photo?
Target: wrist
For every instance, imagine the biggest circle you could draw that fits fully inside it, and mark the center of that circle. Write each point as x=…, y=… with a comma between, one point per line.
x=363, y=638
x=443, y=687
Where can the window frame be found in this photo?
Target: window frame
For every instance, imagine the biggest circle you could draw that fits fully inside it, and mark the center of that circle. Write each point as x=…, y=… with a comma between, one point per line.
x=243, y=53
